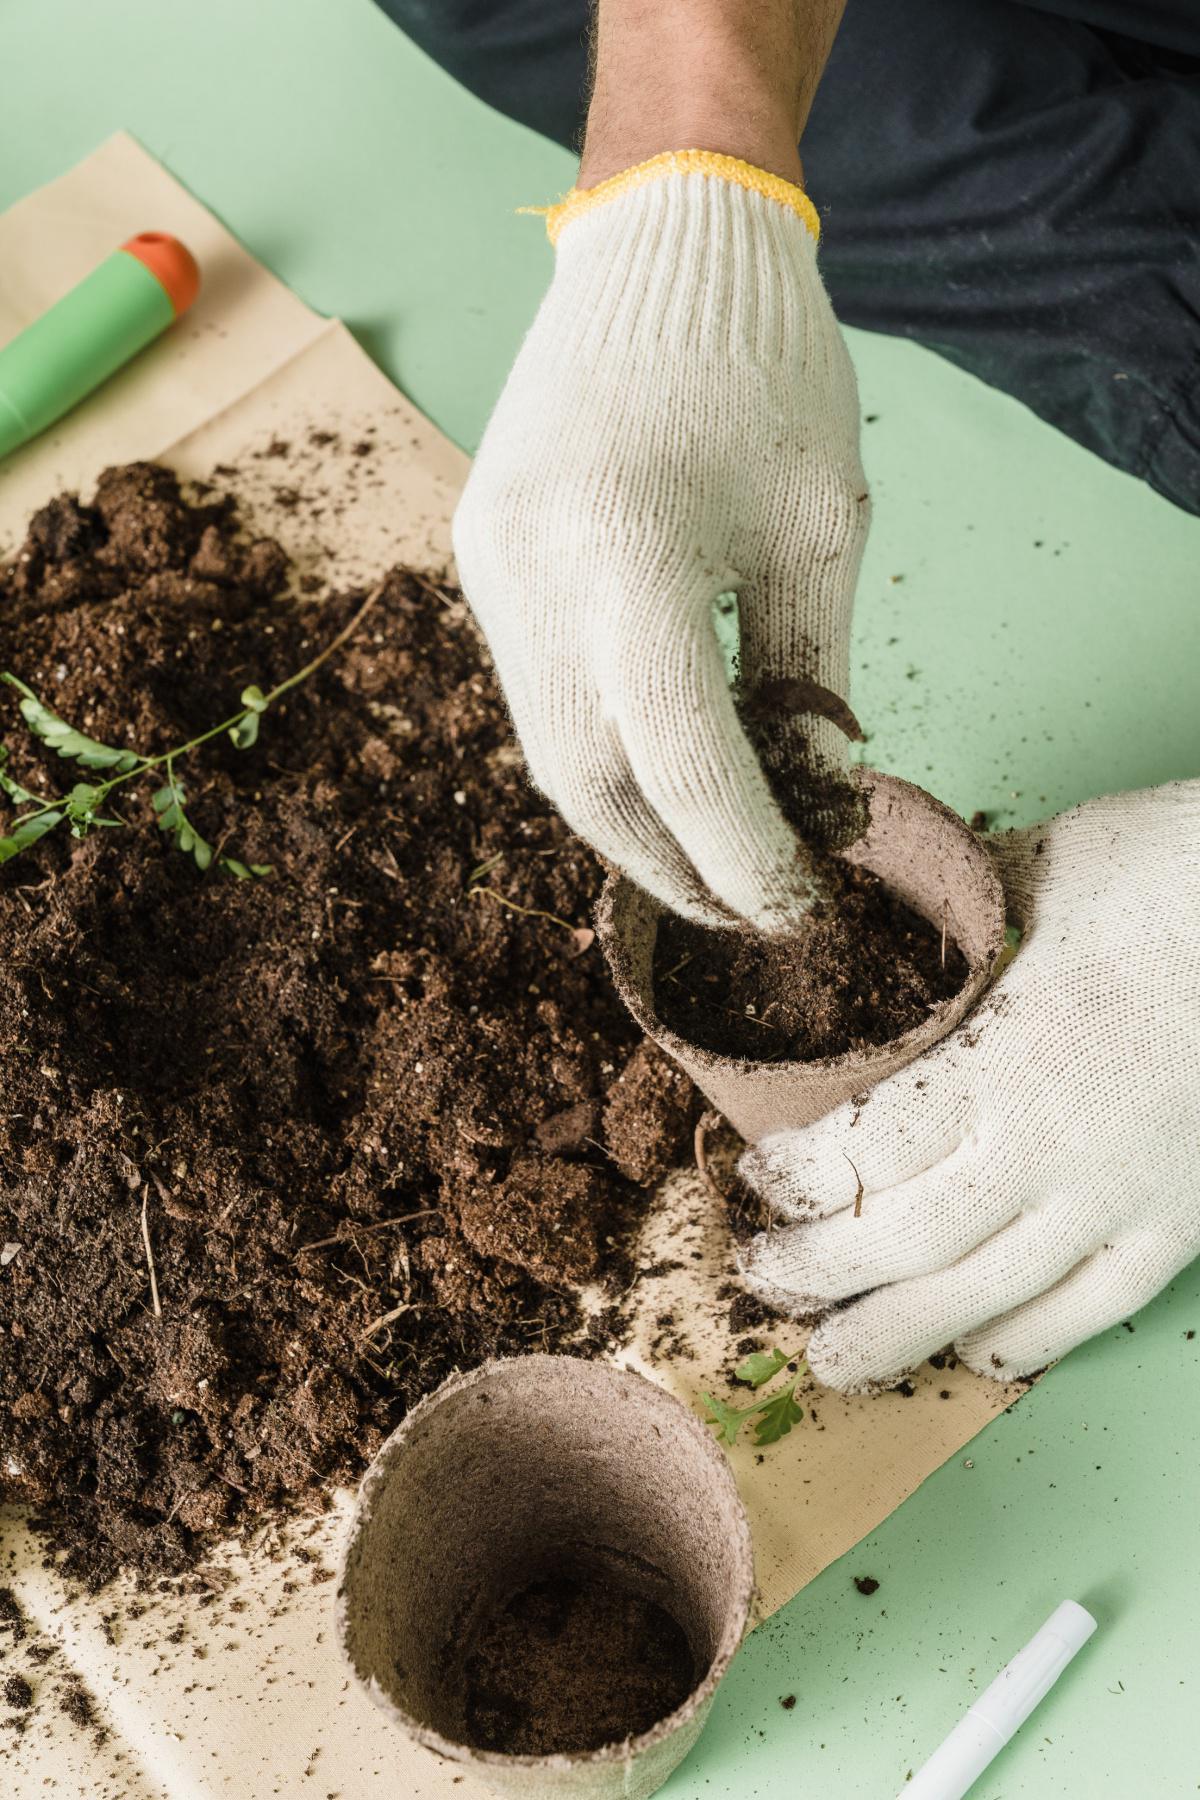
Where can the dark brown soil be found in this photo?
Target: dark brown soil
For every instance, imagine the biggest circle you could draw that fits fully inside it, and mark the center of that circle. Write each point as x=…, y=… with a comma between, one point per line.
x=76, y=1702
x=381, y=1109
x=650, y=1100
x=573, y=1663
x=865, y=969
x=18, y=1693
x=12, y=1619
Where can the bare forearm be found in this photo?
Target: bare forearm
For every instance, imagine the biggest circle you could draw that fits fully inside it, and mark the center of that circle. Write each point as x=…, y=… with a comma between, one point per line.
x=736, y=76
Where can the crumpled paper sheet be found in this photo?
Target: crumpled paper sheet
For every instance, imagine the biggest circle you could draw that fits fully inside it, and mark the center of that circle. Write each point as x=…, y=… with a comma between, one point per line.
x=250, y=1698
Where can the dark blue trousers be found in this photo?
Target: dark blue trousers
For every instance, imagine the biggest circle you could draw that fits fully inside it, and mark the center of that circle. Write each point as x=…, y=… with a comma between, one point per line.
x=1014, y=184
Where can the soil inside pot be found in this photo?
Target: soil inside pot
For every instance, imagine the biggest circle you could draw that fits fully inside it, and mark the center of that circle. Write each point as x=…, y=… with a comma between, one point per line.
x=864, y=970
x=571, y=1663
x=381, y=1110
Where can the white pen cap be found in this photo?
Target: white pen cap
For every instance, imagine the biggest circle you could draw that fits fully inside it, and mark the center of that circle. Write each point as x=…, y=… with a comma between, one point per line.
x=1033, y=1671
x=1003, y=1707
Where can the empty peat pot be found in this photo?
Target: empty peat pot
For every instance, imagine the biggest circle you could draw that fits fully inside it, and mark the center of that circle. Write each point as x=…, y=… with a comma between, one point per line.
x=547, y=1540
x=927, y=856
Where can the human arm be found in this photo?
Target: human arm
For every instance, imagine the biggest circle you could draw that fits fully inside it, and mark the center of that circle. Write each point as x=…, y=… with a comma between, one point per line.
x=704, y=74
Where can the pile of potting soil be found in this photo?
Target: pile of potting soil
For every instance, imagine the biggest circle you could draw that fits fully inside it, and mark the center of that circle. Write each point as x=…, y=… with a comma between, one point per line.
x=865, y=969
x=371, y=1117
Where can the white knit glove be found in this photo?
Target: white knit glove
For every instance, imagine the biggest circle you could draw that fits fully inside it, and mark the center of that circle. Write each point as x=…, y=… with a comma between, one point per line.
x=1036, y=1178
x=682, y=420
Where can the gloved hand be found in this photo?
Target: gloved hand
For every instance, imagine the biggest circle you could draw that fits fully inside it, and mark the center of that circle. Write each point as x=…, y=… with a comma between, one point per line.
x=1035, y=1178
x=682, y=420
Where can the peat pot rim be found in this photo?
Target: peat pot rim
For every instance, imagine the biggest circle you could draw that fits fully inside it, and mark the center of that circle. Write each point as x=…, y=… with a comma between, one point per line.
x=626, y=1749
x=618, y=890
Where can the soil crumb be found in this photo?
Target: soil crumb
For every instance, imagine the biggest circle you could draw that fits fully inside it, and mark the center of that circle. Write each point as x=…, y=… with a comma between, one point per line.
x=18, y=1693
x=572, y=1663
x=865, y=969
x=12, y=1619
x=651, y=1102
x=381, y=1110
x=76, y=1702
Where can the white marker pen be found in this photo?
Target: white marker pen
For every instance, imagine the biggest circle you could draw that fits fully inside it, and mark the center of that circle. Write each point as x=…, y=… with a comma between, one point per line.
x=1002, y=1708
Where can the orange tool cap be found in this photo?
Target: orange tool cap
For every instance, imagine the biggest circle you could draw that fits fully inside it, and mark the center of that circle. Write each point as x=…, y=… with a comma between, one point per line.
x=170, y=262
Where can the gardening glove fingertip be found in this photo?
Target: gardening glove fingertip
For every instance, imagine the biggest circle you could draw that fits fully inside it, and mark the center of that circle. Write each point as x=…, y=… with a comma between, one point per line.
x=839, y=1359
x=771, y=1265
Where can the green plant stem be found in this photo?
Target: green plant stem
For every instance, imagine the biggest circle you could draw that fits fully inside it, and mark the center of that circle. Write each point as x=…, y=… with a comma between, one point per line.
x=50, y=806
x=169, y=757
x=333, y=645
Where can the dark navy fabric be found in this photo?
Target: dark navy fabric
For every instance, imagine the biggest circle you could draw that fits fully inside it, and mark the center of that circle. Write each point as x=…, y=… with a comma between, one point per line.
x=1014, y=185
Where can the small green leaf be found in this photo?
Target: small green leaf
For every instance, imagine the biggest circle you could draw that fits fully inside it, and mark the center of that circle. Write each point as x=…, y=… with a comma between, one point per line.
x=81, y=806
x=27, y=831
x=245, y=732
x=167, y=802
x=244, y=871
x=760, y=1367
x=727, y=1419
x=64, y=738
x=776, y=1417
x=14, y=790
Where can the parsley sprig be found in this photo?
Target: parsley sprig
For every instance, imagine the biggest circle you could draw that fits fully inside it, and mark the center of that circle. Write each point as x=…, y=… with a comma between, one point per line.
x=774, y=1415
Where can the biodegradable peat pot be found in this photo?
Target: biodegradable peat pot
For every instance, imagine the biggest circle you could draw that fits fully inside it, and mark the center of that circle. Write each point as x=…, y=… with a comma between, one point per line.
x=522, y=1470
x=926, y=855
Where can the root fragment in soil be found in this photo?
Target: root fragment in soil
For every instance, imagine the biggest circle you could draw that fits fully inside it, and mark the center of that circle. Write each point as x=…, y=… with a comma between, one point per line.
x=155, y=1302
x=858, y=1189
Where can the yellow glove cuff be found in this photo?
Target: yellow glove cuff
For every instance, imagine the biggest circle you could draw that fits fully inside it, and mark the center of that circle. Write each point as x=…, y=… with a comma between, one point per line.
x=680, y=162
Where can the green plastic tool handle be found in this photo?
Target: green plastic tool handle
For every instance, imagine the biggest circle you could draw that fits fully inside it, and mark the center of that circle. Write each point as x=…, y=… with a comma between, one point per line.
x=78, y=343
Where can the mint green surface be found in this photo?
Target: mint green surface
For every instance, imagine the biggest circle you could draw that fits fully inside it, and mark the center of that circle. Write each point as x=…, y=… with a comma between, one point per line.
x=77, y=343
x=1041, y=644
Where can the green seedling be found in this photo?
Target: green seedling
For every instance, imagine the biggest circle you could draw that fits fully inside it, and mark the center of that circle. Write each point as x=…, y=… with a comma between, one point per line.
x=82, y=808
x=774, y=1414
